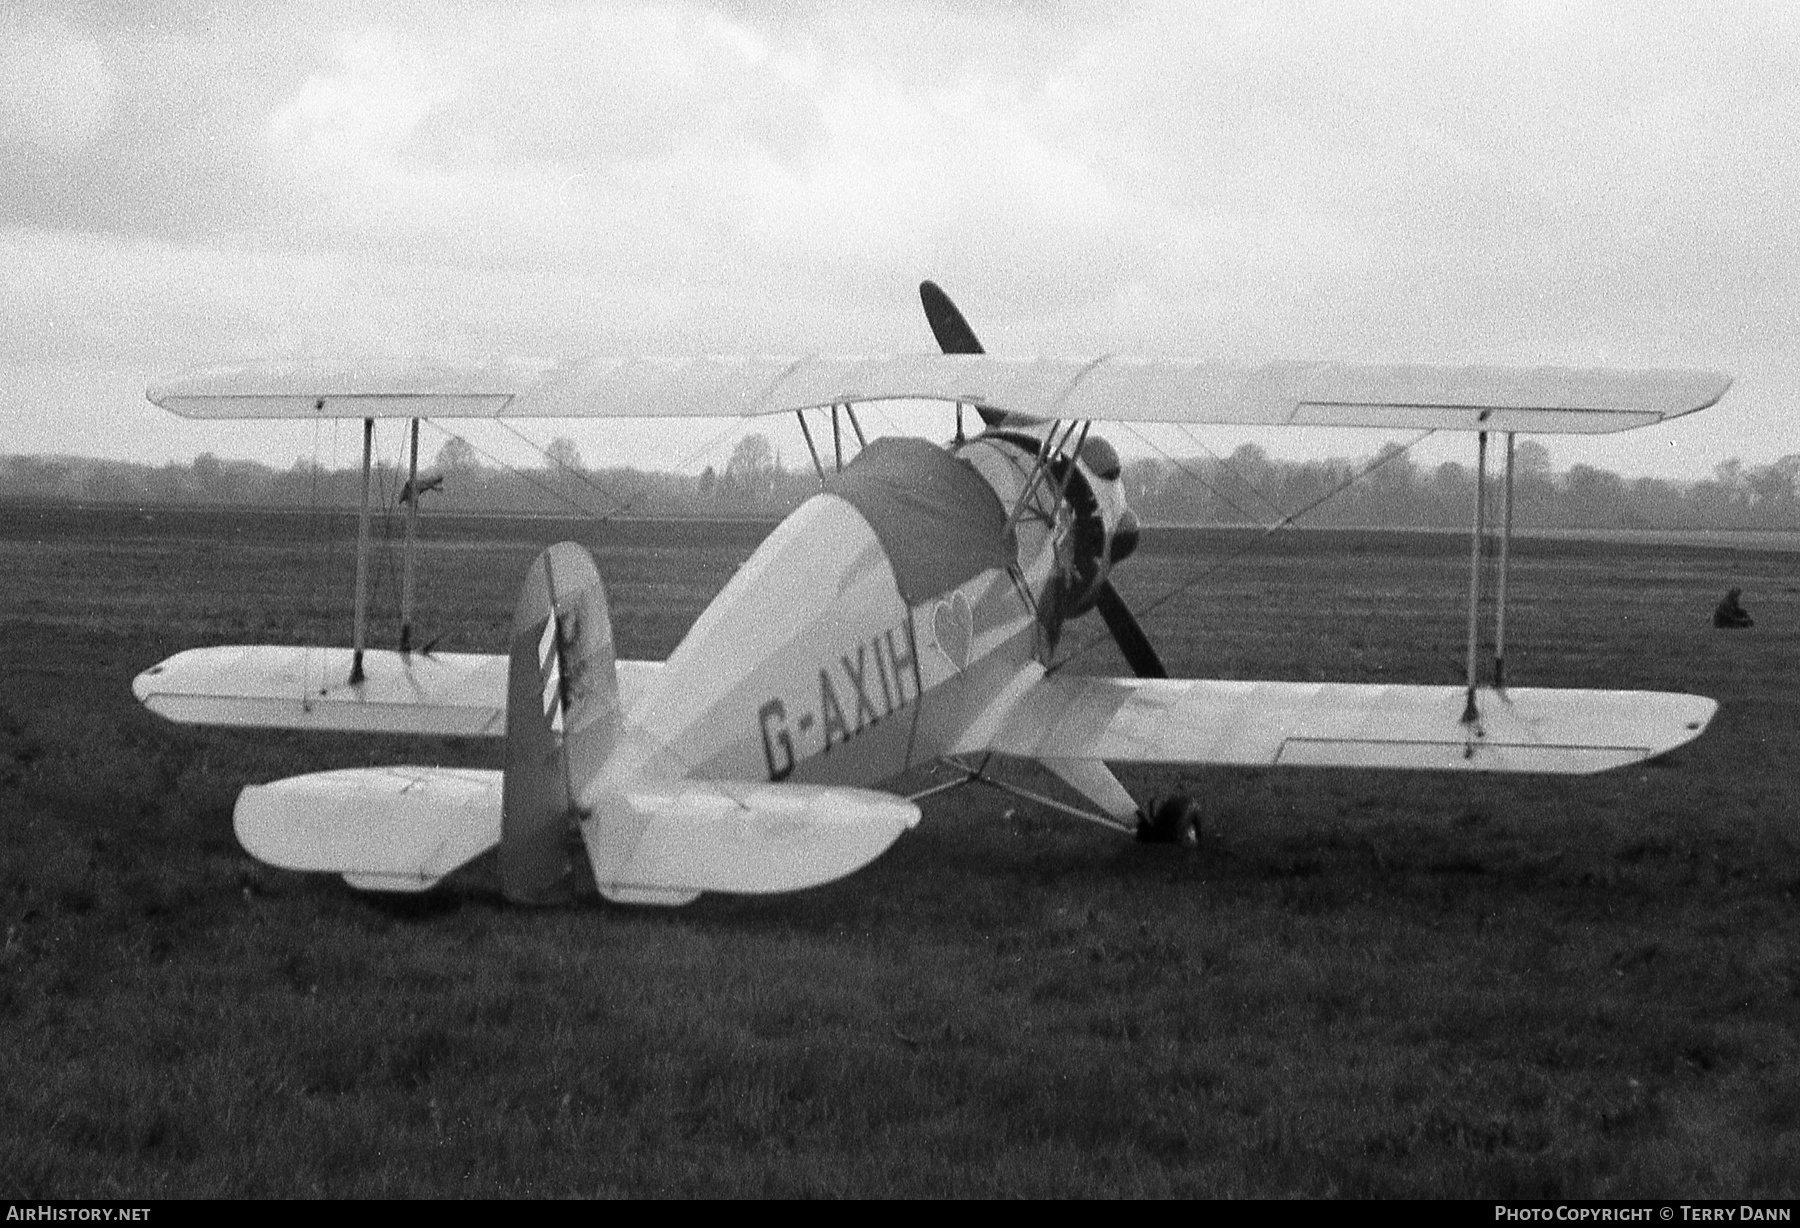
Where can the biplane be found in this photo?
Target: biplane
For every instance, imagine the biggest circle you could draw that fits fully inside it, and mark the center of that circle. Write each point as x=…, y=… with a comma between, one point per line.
x=909, y=613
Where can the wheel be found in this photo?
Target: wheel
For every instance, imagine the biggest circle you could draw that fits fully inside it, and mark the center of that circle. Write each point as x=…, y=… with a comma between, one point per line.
x=1171, y=820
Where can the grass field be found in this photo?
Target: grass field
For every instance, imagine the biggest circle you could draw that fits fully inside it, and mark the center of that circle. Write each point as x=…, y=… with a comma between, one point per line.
x=1365, y=983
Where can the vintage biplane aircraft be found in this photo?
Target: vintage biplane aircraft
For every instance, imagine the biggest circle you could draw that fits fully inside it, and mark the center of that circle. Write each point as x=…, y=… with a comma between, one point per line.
x=910, y=613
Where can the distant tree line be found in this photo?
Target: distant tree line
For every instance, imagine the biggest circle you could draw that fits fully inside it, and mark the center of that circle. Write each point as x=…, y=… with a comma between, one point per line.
x=753, y=483
x=1389, y=489
x=1392, y=490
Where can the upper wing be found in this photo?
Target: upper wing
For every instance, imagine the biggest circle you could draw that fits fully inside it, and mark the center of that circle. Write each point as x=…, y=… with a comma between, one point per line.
x=1108, y=388
x=1334, y=724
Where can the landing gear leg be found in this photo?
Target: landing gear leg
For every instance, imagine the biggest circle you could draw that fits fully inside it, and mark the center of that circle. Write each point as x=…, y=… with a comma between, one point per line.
x=1170, y=820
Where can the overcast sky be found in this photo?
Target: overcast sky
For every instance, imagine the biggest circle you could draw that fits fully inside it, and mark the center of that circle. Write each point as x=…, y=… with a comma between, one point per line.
x=1536, y=183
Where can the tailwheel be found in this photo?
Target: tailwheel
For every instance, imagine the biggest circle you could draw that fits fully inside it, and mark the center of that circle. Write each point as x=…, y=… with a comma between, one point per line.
x=1170, y=820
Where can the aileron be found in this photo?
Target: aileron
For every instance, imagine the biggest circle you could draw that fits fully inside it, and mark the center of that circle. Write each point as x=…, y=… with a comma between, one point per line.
x=1341, y=725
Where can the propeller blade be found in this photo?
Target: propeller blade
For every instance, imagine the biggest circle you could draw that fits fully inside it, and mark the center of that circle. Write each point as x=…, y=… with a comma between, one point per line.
x=1133, y=644
x=954, y=336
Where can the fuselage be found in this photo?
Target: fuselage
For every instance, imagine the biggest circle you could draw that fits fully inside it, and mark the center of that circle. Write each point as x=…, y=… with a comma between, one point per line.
x=871, y=627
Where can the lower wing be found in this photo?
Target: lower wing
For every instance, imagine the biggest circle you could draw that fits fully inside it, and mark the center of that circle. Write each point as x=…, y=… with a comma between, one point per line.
x=451, y=694
x=1315, y=724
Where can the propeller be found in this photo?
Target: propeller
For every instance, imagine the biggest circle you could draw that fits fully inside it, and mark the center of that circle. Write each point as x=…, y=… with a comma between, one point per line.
x=953, y=333
x=954, y=336
x=1133, y=644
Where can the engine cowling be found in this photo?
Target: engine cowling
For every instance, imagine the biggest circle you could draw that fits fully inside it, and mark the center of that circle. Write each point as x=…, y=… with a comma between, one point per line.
x=1077, y=506
x=1103, y=531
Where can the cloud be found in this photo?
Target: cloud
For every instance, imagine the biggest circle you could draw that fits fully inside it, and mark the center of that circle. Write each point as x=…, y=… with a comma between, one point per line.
x=56, y=93
x=1514, y=182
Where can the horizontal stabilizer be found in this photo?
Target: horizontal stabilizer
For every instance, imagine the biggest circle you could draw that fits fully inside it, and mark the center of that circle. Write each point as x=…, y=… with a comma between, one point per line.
x=1110, y=387
x=449, y=694
x=668, y=844
x=404, y=828
x=386, y=829
x=1321, y=724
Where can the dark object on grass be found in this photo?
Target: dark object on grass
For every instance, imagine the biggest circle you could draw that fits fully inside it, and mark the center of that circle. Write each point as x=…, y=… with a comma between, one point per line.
x=1729, y=613
x=1171, y=820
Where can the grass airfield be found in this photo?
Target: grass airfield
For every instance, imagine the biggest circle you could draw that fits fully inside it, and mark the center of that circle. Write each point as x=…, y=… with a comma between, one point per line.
x=1366, y=984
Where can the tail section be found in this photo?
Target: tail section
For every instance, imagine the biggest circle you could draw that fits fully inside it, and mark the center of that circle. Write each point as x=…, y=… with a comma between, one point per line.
x=666, y=843
x=560, y=808
x=648, y=840
x=562, y=720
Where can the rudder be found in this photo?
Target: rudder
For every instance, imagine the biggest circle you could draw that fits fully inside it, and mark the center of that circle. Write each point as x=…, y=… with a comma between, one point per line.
x=562, y=720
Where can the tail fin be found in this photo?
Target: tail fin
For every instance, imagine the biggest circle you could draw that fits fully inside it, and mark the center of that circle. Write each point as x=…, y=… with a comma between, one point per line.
x=562, y=719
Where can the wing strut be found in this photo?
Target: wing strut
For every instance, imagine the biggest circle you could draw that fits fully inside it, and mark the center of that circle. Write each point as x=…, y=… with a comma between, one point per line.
x=1471, y=713
x=806, y=431
x=412, y=541
x=1506, y=521
x=361, y=636
x=978, y=775
x=1048, y=451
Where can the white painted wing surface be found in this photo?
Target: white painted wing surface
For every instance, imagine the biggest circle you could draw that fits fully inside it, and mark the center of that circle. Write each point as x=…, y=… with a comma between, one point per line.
x=667, y=844
x=1106, y=388
x=348, y=390
x=1337, y=725
x=404, y=828
x=385, y=829
x=449, y=694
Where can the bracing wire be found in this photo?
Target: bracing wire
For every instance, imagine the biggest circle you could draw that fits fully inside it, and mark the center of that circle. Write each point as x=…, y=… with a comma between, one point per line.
x=580, y=475
x=1226, y=464
x=1201, y=479
x=589, y=513
x=1286, y=521
x=315, y=545
x=876, y=408
x=1490, y=549
x=553, y=492
x=323, y=547
x=387, y=479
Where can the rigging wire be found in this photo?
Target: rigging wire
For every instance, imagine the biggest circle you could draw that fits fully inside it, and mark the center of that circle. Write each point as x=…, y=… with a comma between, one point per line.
x=565, y=497
x=1200, y=478
x=703, y=450
x=1233, y=470
x=875, y=407
x=580, y=475
x=384, y=474
x=1490, y=556
x=323, y=548
x=1254, y=543
x=314, y=543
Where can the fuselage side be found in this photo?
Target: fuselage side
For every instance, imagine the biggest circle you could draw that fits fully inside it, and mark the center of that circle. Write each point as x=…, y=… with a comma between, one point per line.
x=868, y=629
